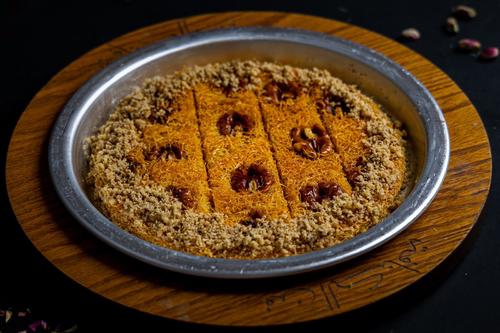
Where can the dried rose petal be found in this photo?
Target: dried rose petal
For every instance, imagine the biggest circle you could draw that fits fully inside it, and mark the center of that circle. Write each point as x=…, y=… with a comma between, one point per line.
x=39, y=323
x=410, y=34
x=464, y=12
x=469, y=45
x=489, y=53
x=451, y=25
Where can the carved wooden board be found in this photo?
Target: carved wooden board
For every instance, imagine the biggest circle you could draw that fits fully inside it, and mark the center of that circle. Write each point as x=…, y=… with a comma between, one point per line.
x=376, y=275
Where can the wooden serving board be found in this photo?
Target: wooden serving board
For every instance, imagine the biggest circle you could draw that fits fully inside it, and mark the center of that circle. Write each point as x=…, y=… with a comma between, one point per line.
x=372, y=277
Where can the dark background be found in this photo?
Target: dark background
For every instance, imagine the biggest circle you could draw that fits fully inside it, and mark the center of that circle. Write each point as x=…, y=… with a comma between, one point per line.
x=39, y=38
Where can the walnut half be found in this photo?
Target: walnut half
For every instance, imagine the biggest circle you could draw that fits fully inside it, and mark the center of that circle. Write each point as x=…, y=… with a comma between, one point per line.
x=230, y=123
x=311, y=142
x=311, y=194
x=251, y=178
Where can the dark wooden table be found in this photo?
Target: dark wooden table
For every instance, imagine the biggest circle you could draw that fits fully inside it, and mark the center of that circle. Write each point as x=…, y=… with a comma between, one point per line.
x=39, y=39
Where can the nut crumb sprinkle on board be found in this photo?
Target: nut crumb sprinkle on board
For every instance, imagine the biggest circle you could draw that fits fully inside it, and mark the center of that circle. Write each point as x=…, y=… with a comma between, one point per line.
x=248, y=159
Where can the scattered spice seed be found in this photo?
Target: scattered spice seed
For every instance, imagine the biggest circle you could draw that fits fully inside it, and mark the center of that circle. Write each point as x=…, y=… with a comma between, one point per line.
x=469, y=45
x=489, y=53
x=410, y=34
x=451, y=25
x=464, y=12
x=8, y=315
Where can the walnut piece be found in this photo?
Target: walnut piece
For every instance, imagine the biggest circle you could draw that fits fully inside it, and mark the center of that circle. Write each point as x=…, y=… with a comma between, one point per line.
x=251, y=178
x=230, y=123
x=253, y=216
x=277, y=92
x=182, y=194
x=331, y=103
x=311, y=194
x=311, y=142
x=168, y=152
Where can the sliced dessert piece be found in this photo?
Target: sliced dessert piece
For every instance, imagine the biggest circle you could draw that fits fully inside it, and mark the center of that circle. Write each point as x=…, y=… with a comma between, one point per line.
x=349, y=134
x=346, y=132
x=242, y=172
x=172, y=155
x=310, y=168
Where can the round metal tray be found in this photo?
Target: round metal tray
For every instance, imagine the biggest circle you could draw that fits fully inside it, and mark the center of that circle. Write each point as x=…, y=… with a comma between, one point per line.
x=392, y=86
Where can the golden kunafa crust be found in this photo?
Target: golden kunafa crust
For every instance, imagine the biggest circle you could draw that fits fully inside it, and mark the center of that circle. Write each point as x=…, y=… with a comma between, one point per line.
x=247, y=159
x=170, y=154
x=297, y=170
x=350, y=134
x=226, y=152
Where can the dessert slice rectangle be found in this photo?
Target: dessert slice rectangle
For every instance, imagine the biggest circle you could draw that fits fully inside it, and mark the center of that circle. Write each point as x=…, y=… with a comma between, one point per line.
x=349, y=135
x=173, y=157
x=242, y=172
x=293, y=124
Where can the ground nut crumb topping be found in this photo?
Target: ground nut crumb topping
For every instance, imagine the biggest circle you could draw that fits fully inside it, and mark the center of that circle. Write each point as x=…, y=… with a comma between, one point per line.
x=127, y=194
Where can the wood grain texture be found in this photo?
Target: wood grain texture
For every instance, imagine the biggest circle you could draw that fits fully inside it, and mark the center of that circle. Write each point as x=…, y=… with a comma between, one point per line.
x=285, y=300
